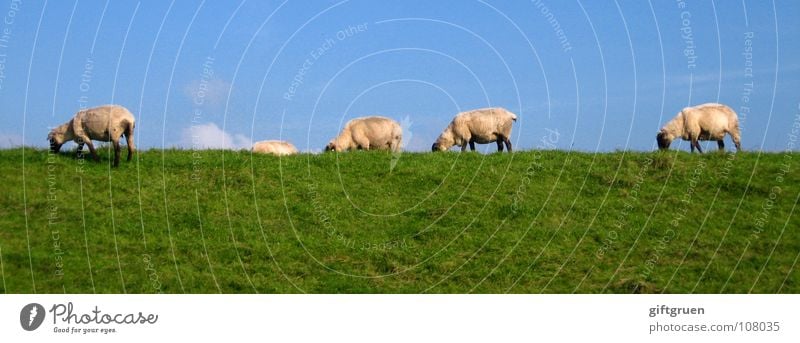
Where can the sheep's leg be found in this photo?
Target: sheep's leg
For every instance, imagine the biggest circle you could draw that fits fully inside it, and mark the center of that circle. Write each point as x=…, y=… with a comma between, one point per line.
x=129, y=140
x=361, y=142
x=500, y=145
x=721, y=145
x=92, y=150
x=697, y=145
x=508, y=143
x=463, y=146
x=79, y=152
x=472, y=144
x=116, y=153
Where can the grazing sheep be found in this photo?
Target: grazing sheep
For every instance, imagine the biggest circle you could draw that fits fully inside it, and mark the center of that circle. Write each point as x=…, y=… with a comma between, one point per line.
x=277, y=148
x=368, y=133
x=483, y=126
x=103, y=123
x=701, y=123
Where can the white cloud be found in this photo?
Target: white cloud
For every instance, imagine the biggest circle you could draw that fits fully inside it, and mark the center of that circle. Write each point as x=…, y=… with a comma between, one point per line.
x=210, y=136
x=10, y=140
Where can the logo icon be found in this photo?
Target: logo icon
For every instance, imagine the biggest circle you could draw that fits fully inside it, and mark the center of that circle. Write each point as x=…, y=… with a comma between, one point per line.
x=31, y=316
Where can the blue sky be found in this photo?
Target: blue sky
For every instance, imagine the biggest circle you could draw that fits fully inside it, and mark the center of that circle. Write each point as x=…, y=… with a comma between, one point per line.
x=296, y=70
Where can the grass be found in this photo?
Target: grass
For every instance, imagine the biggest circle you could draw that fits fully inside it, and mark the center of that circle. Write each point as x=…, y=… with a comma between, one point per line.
x=178, y=221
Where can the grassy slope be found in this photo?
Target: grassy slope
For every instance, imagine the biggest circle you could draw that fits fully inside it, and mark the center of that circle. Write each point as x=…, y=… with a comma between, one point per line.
x=546, y=221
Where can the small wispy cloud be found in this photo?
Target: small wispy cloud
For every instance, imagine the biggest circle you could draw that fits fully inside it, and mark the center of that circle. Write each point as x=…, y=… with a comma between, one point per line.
x=210, y=136
x=10, y=140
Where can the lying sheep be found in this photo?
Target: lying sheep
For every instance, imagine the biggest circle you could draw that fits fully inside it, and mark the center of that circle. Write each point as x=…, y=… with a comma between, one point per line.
x=701, y=123
x=368, y=133
x=483, y=126
x=103, y=123
x=277, y=148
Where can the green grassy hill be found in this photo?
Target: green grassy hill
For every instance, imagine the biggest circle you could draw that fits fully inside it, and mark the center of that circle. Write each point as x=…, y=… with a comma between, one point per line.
x=177, y=221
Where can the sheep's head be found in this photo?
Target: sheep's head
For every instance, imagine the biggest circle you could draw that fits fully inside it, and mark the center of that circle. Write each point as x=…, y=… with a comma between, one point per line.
x=442, y=143
x=331, y=147
x=56, y=138
x=664, y=139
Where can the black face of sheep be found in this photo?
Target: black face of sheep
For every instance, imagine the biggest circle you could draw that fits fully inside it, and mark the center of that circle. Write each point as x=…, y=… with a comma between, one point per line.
x=663, y=140
x=330, y=147
x=55, y=147
x=438, y=146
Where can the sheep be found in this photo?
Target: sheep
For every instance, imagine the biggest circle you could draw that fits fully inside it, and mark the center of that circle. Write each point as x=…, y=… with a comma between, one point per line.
x=277, y=148
x=703, y=122
x=103, y=123
x=368, y=133
x=483, y=126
